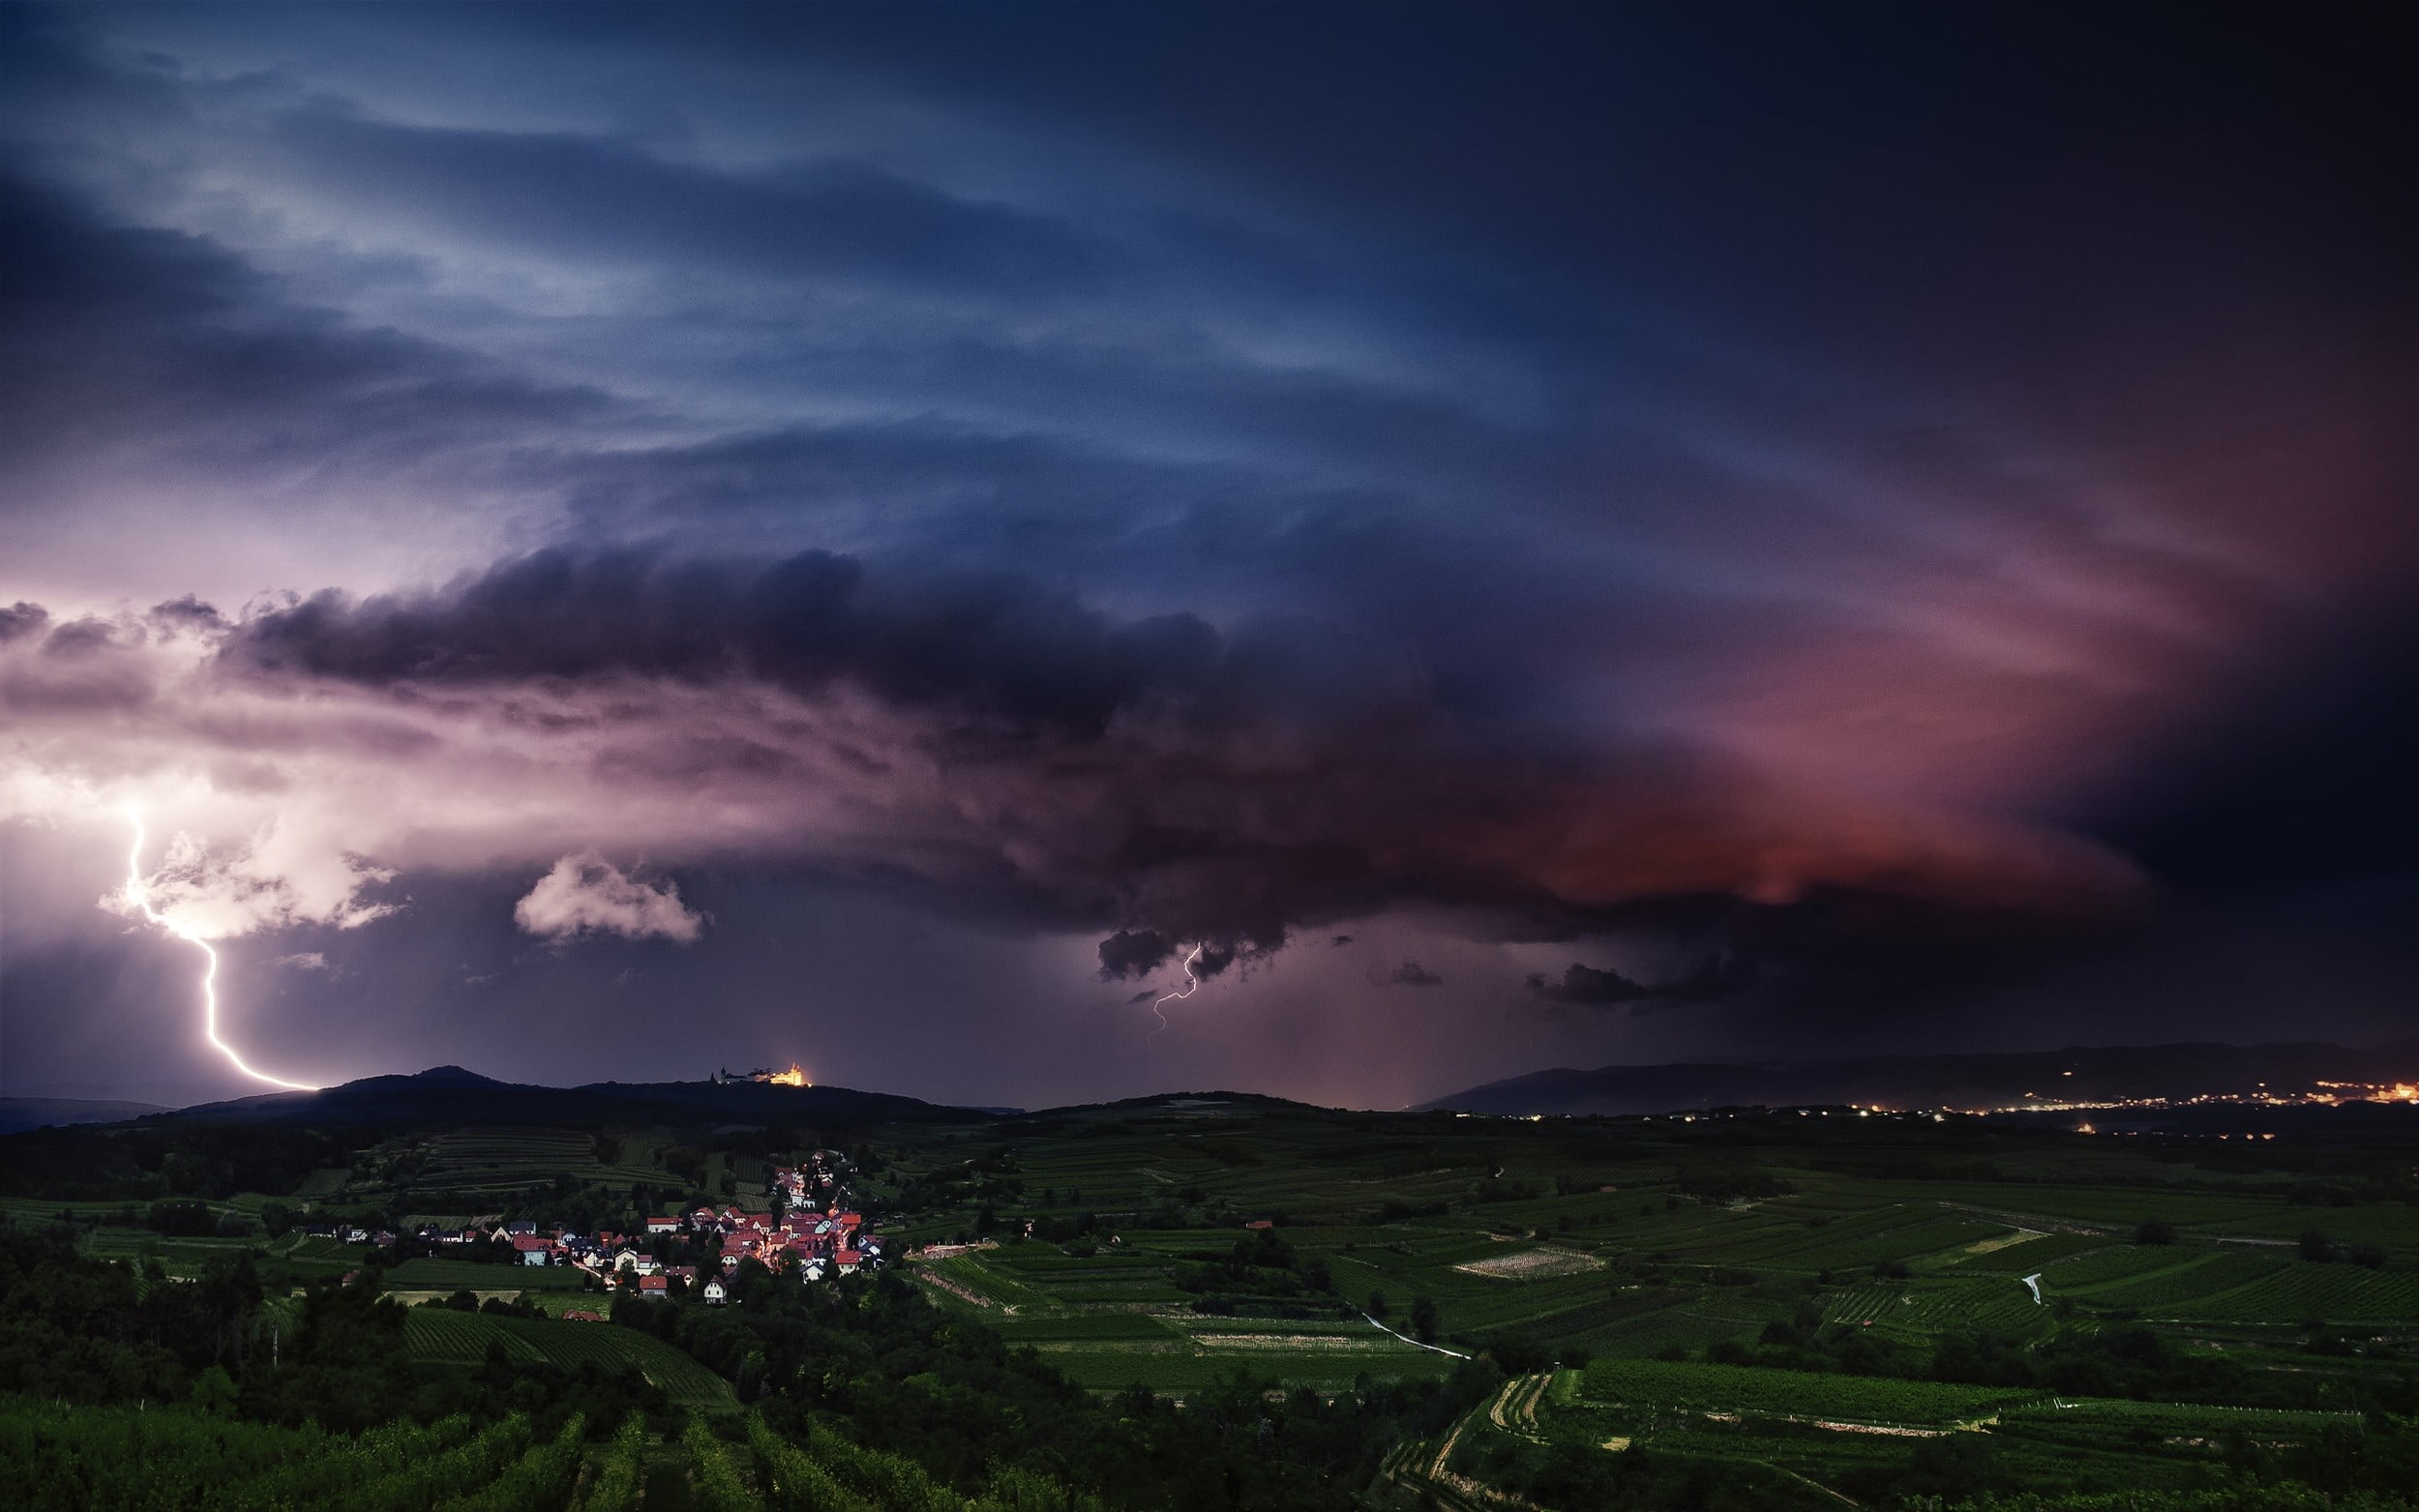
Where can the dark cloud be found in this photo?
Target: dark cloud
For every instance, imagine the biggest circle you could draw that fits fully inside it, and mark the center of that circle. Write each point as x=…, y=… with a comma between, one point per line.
x=994, y=644
x=1719, y=976
x=1134, y=953
x=22, y=619
x=1410, y=973
x=80, y=638
x=187, y=614
x=137, y=332
x=2304, y=781
x=1191, y=785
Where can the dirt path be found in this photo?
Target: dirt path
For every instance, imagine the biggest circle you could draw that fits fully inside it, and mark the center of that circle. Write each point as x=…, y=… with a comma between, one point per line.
x=1514, y=1409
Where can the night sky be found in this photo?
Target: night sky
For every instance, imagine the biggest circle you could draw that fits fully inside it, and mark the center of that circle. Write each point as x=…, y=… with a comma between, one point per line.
x=604, y=543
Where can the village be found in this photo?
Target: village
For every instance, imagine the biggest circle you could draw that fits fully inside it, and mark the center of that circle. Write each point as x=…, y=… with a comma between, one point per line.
x=810, y=1233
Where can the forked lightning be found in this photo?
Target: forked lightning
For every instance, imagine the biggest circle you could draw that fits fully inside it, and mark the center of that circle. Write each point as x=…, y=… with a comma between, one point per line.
x=138, y=892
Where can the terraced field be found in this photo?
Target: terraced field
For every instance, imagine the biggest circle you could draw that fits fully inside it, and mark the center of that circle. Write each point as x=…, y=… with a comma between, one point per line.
x=499, y=1164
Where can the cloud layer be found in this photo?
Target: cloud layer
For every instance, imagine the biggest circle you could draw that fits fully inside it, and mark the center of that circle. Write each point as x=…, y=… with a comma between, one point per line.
x=1001, y=749
x=1811, y=497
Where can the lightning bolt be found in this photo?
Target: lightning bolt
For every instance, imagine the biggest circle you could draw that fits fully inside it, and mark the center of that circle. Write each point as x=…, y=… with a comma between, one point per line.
x=1192, y=984
x=138, y=892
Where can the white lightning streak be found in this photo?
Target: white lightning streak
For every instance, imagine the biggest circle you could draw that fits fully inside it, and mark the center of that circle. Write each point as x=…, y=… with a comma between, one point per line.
x=138, y=892
x=1192, y=984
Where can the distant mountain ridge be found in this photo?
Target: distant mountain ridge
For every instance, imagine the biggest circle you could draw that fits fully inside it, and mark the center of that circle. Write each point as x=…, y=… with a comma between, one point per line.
x=21, y=1114
x=453, y=1094
x=2098, y=1074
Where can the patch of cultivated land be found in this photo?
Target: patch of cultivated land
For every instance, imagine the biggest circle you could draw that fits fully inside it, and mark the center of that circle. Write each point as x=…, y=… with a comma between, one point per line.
x=1746, y=1388
x=1587, y=1239
x=1320, y=1343
x=443, y=1336
x=426, y=1273
x=1532, y=1264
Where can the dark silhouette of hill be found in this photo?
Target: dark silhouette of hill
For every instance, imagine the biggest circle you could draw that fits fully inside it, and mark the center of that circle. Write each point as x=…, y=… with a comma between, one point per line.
x=450, y=1094
x=1181, y=1103
x=2097, y=1073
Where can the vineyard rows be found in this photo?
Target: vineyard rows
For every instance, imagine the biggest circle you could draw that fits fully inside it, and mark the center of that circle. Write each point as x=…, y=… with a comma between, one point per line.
x=2180, y=1417
x=1748, y=1388
x=446, y=1337
x=2303, y=1291
x=172, y=1460
x=2115, y=1263
x=2209, y=1277
x=1999, y=1305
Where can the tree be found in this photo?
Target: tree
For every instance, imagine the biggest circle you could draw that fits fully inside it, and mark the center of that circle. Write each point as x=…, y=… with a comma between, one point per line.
x=1377, y=1304
x=182, y=1216
x=214, y=1392
x=1423, y=1318
x=276, y=1219
x=2316, y=1244
x=2154, y=1231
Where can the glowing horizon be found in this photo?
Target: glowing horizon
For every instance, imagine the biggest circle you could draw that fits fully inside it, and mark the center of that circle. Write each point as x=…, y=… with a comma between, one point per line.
x=138, y=892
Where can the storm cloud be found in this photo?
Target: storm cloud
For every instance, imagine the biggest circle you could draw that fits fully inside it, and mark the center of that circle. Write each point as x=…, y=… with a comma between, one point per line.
x=1806, y=520
x=1719, y=976
x=1010, y=749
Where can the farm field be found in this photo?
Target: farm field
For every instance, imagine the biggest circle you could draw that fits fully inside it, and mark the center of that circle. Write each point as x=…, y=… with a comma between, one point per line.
x=430, y=1274
x=1637, y=1268
x=2296, y=1292
x=442, y=1336
x=1794, y=1303
x=1740, y=1388
x=1182, y=1366
x=1672, y=1270
x=124, y=1459
x=1109, y=1325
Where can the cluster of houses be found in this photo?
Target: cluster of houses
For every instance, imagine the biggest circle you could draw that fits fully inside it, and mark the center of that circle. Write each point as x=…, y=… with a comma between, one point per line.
x=813, y=1236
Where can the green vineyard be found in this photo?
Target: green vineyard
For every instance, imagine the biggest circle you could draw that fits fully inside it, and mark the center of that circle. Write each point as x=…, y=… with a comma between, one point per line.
x=136, y=1460
x=1743, y=1388
x=2300, y=1293
x=441, y=1336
